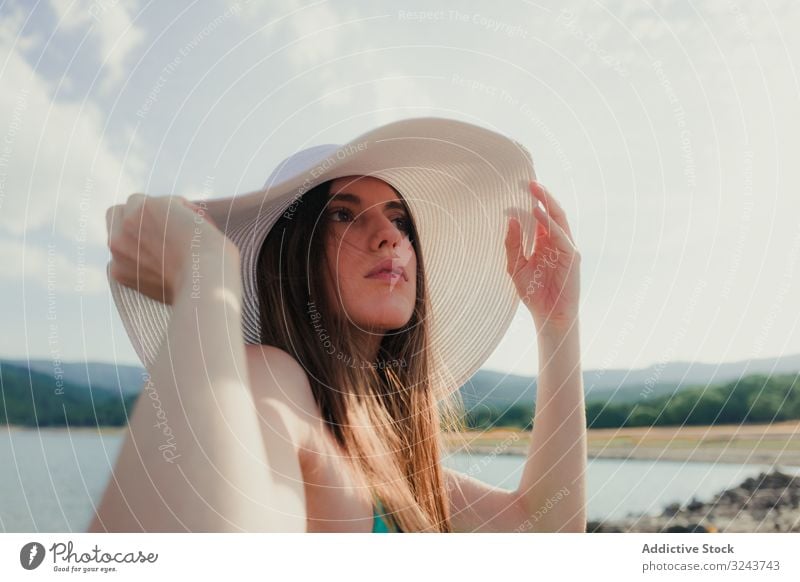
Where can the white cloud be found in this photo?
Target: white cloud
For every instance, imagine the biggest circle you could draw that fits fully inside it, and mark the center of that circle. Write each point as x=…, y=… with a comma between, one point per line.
x=57, y=170
x=111, y=25
x=50, y=267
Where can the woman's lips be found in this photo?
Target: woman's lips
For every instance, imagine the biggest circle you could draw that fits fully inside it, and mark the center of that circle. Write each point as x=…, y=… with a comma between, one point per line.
x=388, y=276
x=388, y=265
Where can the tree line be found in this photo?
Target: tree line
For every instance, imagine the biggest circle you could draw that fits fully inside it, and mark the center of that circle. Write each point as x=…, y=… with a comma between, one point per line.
x=29, y=398
x=757, y=398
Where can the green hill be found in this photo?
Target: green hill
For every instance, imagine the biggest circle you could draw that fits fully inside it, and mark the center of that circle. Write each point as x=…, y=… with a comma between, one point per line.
x=31, y=398
x=757, y=398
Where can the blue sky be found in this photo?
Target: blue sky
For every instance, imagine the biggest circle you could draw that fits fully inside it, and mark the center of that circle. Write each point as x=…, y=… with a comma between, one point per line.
x=670, y=133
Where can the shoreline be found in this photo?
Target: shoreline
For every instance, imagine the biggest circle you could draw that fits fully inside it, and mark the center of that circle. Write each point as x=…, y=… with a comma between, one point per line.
x=81, y=429
x=754, y=444
x=750, y=444
x=769, y=503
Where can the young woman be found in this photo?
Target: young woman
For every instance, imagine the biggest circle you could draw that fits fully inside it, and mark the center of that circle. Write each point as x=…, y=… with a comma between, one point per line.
x=330, y=416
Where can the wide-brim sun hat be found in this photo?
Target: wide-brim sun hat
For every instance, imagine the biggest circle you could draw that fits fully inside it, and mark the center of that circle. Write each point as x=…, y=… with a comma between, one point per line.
x=461, y=182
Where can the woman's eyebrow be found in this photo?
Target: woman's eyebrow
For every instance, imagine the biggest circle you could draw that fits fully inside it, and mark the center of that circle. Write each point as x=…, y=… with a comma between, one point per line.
x=347, y=197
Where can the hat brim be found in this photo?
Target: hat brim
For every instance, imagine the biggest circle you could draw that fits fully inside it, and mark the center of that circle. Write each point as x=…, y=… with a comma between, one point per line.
x=461, y=183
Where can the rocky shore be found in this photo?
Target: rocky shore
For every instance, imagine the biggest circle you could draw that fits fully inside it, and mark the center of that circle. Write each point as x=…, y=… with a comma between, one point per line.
x=767, y=503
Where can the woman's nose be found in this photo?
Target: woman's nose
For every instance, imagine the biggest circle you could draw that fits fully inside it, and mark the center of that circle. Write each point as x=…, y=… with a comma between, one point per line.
x=386, y=233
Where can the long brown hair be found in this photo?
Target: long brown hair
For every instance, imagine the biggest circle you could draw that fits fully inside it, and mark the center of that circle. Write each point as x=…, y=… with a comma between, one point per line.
x=386, y=416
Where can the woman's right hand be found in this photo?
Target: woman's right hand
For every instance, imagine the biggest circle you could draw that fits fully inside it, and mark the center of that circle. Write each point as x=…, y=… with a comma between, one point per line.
x=152, y=240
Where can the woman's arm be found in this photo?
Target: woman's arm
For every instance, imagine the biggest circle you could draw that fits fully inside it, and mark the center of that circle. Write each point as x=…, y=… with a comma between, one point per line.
x=194, y=458
x=552, y=489
x=551, y=494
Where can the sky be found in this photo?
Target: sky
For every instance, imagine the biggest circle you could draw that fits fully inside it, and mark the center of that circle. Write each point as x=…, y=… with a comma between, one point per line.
x=668, y=131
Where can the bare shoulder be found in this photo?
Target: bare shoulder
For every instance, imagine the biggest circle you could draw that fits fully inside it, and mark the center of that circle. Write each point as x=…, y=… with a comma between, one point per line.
x=278, y=381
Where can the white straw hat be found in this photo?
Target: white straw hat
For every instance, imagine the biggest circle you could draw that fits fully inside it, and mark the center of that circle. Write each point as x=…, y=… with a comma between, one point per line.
x=461, y=183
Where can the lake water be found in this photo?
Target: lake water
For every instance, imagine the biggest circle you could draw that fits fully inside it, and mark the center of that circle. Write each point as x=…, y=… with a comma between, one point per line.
x=52, y=479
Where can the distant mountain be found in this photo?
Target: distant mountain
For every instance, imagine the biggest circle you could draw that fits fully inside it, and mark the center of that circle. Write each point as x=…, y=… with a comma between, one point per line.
x=682, y=374
x=31, y=398
x=495, y=389
x=99, y=375
x=500, y=390
x=486, y=387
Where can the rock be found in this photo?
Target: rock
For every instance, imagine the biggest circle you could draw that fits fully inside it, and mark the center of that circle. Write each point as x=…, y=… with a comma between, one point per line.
x=671, y=510
x=695, y=505
x=602, y=527
x=689, y=528
x=767, y=503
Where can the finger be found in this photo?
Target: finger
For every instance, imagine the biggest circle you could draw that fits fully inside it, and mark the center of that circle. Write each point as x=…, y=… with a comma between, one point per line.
x=554, y=230
x=515, y=257
x=132, y=212
x=557, y=214
x=552, y=206
x=113, y=218
x=135, y=200
x=115, y=241
x=121, y=271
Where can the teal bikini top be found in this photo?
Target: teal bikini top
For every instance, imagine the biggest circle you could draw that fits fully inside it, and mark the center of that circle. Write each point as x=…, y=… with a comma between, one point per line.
x=382, y=522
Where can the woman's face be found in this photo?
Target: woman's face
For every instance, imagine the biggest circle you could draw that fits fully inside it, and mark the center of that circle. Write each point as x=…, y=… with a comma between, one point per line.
x=372, y=262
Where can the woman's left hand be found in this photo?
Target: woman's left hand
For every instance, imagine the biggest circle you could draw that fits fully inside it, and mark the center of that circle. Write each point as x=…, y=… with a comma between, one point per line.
x=549, y=281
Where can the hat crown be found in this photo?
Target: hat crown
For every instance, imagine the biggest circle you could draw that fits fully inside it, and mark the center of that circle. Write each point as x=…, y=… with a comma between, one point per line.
x=298, y=162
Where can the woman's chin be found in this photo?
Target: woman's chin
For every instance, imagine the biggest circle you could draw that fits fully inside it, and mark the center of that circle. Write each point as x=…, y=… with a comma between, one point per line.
x=384, y=318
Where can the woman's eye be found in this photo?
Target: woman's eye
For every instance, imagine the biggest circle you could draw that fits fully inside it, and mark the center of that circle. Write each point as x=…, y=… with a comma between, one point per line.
x=403, y=224
x=345, y=215
x=340, y=212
